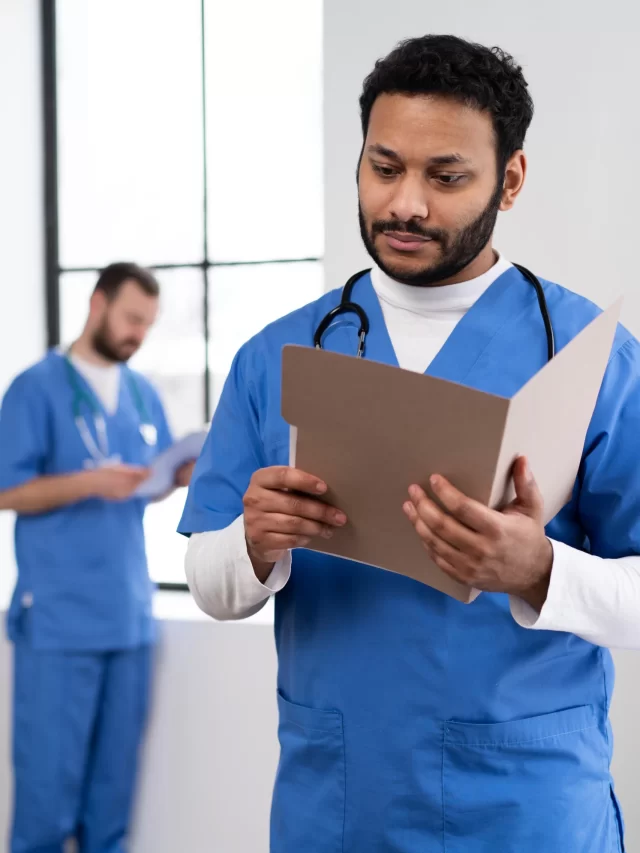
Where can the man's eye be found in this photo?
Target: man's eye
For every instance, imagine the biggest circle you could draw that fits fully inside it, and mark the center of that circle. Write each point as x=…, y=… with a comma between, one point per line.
x=450, y=180
x=384, y=171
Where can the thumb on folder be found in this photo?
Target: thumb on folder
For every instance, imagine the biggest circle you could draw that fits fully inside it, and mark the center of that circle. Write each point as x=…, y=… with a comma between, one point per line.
x=492, y=550
x=528, y=500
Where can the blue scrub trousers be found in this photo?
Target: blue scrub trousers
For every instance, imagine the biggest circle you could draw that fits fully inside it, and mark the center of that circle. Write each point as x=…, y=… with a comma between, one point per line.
x=78, y=722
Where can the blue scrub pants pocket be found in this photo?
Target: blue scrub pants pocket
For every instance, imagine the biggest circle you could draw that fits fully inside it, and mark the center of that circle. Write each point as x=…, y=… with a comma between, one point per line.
x=526, y=786
x=307, y=814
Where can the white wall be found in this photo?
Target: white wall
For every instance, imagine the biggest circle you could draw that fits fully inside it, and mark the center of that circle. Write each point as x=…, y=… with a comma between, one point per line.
x=212, y=751
x=575, y=223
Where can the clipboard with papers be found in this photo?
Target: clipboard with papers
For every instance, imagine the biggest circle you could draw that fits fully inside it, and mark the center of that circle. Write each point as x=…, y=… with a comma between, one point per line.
x=165, y=465
x=418, y=425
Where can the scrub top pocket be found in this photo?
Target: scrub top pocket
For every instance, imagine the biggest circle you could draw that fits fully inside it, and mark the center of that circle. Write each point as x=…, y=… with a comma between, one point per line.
x=524, y=786
x=308, y=807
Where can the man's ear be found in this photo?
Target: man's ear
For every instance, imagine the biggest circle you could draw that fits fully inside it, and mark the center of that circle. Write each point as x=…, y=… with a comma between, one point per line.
x=514, y=177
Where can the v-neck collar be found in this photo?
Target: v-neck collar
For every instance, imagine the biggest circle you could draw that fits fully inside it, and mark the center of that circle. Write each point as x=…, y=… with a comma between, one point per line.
x=89, y=389
x=467, y=347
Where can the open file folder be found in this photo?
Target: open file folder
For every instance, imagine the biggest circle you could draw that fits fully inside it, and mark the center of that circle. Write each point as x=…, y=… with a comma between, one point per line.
x=370, y=430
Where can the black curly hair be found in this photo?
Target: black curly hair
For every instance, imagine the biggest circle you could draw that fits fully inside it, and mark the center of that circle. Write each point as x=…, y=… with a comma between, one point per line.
x=487, y=79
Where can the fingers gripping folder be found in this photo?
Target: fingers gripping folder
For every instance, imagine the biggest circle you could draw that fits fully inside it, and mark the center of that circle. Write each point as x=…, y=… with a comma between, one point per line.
x=370, y=430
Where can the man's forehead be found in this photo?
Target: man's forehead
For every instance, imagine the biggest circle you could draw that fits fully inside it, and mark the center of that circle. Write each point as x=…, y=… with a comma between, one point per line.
x=441, y=127
x=131, y=290
x=454, y=158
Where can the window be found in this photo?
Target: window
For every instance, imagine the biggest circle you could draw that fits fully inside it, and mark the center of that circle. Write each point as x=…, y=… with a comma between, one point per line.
x=184, y=135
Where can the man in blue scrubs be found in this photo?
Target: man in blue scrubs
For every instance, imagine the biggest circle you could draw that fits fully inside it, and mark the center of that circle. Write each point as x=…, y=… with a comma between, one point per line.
x=78, y=431
x=410, y=722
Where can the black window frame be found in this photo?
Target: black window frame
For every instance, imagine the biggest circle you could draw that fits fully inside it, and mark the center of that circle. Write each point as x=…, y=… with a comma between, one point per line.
x=54, y=270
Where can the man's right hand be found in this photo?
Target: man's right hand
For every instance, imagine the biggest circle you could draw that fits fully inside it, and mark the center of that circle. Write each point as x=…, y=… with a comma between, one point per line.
x=282, y=511
x=116, y=482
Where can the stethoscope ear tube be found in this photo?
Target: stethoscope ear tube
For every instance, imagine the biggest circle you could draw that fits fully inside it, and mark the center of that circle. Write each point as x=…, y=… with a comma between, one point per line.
x=99, y=451
x=544, y=309
x=346, y=306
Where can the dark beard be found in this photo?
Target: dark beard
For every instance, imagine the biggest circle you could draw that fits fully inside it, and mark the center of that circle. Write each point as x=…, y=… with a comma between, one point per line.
x=457, y=253
x=105, y=347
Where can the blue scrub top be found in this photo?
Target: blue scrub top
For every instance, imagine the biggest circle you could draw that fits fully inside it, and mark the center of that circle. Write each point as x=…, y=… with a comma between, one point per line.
x=410, y=721
x=82, y=582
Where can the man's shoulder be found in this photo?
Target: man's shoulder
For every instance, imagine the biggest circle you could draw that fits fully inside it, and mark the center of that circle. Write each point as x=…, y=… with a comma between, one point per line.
x=571, y=312
x=297, y=327
x=38, y=375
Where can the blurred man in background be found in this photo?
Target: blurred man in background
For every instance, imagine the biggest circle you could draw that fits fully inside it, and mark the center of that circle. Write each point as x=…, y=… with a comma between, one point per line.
x=78, y=432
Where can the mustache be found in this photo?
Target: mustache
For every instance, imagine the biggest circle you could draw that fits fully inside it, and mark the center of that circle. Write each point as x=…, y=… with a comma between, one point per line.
x=383, y=226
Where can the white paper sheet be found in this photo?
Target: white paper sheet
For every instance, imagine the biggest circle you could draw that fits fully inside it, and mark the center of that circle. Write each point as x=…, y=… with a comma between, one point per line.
x=165, y=465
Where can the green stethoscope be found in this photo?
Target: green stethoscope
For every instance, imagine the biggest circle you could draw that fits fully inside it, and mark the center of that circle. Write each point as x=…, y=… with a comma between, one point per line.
x=82, y=397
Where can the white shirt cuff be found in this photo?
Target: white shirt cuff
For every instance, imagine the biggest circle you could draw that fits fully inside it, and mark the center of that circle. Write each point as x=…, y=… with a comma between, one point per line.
x=594, y=598
x=280, y=574
x=250, y=587
x=221, y=576
x=548, y=618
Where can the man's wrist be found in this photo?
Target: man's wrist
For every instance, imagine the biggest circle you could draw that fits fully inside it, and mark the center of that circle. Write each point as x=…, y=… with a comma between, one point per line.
x=85, y=483
x=261, y=568
x=536, y=593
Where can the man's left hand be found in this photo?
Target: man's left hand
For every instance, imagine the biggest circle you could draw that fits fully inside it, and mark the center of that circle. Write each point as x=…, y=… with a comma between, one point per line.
x=183, y=474
x=496, y=551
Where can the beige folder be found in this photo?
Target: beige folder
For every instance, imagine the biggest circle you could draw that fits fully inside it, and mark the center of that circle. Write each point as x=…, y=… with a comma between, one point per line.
x=370, y=430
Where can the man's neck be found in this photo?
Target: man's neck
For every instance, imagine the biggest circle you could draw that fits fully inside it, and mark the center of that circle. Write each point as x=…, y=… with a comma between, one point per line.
x=481, y=264
x=83, y=349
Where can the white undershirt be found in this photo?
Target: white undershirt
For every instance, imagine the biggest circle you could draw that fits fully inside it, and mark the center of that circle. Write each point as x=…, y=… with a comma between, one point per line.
x=420, y=319
x=104, y=380
x=596, y=599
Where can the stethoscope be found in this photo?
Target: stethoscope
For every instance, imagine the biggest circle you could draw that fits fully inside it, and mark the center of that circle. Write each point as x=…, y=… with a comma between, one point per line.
x=347, y=306
x=99, y=450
